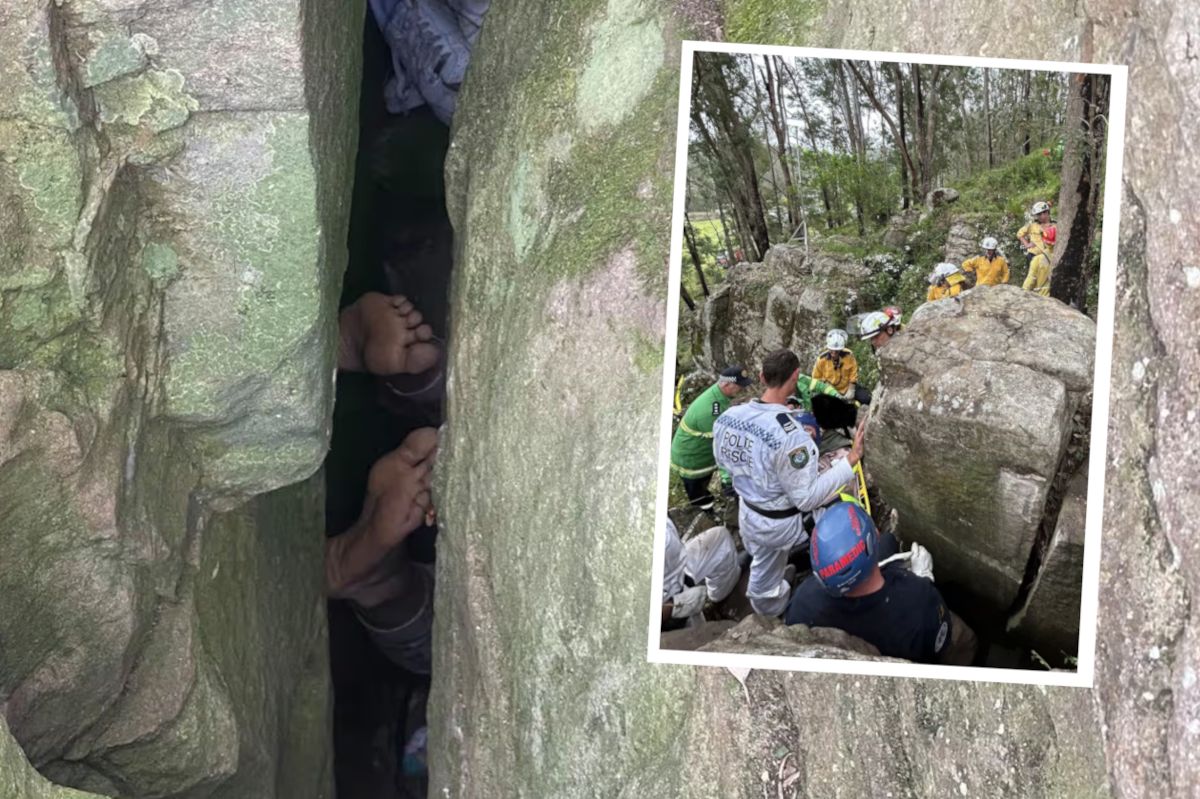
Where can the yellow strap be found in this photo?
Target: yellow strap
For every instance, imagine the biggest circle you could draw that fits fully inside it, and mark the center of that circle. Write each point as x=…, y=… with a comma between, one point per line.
x=862, y=487
x=678, y=398
x=684, y=427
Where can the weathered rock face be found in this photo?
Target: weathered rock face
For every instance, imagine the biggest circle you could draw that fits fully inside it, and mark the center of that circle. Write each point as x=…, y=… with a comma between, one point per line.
x=962, y=241
x=941, y=196
x=971, y=425
x=1050, y=614
x=787, y=301
x=759, y=635
x=173, y=190
x=555, y=697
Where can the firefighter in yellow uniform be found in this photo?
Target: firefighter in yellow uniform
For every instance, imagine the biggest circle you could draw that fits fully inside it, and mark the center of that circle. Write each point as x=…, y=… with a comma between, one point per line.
x=991, y=268
x=946, y=281
x=837, y=366
x=1034, y=242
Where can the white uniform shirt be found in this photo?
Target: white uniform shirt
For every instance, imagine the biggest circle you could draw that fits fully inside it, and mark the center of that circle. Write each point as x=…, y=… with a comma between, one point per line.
x=673, y=563
x=774, y=464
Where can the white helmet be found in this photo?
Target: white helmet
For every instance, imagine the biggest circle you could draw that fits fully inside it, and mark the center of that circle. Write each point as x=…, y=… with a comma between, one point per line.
x=836, y=339
x=942, y=271
x=1039, y=207
x=872, y=323
x=989, y=243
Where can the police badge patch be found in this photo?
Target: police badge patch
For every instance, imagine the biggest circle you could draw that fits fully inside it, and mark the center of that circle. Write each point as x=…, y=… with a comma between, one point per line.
x=798, y=457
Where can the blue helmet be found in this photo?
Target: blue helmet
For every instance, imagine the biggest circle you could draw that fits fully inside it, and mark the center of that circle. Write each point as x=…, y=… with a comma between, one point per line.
x=843, y=547
x=809, y=419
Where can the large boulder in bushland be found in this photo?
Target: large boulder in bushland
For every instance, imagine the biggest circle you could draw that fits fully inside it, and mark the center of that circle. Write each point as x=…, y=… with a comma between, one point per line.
x=971, y=424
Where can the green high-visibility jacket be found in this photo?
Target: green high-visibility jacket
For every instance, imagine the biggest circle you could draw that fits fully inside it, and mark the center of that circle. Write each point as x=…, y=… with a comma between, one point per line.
x=691, y=449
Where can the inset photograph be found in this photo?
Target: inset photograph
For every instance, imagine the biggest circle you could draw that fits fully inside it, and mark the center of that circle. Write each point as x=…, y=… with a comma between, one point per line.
x=892, y=338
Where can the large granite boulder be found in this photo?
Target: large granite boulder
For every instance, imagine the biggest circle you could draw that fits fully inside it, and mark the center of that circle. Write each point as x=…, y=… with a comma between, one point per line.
x=174, y=183
x=962, y=241
x=971, y=425
x=760, y=635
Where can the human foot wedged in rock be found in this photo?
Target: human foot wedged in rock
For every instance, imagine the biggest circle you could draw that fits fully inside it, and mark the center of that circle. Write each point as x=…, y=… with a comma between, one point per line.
x=398, y=501
x=398, y=488
x=384, y=335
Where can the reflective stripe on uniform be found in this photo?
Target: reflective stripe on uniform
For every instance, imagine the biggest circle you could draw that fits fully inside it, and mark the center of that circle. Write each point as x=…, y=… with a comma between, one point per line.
x=684, y=427
x=691, y=473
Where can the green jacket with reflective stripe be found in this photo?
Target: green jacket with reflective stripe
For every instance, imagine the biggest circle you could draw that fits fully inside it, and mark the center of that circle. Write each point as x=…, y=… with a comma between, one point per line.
x=691, y=449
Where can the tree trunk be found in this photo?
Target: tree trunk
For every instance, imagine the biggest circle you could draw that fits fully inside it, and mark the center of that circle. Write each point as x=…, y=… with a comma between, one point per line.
x=774, y=81
x=687, y=298
x=729, y=144
x=758, y=103
x=905, y=186
x=1028, y=126
x=725, y=231
x=1079, y=200
x=891, y=123
x=689, y=233
x=987, y=113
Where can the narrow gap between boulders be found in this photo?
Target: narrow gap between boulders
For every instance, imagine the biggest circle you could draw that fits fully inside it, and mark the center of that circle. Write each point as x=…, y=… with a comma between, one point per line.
x=399, y=243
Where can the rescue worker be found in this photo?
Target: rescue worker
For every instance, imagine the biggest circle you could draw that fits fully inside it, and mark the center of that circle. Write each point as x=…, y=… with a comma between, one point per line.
x=991, y=268
x=1033, y=241
x=691, y=448
x=774, y=465
x=704, y=569
x=879, y=327
x=838, y=367
x=898, y=611
x=945, y=281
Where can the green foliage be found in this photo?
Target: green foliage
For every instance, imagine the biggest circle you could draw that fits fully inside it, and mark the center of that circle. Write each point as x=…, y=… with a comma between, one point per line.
x=911, y=289
x=868, y=364
x=1012, y=187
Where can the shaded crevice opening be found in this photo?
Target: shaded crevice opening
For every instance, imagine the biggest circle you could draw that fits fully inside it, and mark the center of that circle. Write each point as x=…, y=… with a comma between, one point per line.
x=399, y=243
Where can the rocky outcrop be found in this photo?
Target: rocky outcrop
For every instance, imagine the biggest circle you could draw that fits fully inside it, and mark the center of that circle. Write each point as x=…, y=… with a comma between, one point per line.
x=971, y=425
x=787, y=301
x=941, y=196
x=760, y=635
x=173, y=189
x=962, y=241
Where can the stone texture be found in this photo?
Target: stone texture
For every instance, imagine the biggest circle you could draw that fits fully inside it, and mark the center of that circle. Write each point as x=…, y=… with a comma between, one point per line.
x=1050, y=614
x=537, y=697
x=173, y=213
x=970, y=428
x=941, y=196
x=962, y=242
x=760, y=635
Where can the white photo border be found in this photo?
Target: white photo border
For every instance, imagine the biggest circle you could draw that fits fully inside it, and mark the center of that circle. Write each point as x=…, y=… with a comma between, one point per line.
x=1083, y=676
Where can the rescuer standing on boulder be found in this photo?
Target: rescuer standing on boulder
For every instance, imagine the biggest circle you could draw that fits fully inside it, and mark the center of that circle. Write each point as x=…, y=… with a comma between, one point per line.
x=691, y=448
x=838, y=367
x=1033, y=241
x=774, y=465
x=898, y=611
x=991, y=268
x=704, y=569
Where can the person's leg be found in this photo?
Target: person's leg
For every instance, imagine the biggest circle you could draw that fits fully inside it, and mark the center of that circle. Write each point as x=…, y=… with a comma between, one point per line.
x=402, y=625
x=712, y=558
x=384, y=335
x=767, y=590
x=963, y=643
x=698, y=492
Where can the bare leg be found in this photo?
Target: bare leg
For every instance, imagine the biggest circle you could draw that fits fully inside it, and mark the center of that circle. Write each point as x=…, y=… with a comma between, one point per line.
x=384, y=335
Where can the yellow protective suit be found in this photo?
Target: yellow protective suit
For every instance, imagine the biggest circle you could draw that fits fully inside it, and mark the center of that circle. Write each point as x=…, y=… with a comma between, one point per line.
x=840, y=376
x=987, y=272
x=940, y=292
x=1038, y=279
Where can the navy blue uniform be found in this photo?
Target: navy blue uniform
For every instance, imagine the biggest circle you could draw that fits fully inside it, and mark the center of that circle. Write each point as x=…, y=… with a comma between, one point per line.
x=905, y=619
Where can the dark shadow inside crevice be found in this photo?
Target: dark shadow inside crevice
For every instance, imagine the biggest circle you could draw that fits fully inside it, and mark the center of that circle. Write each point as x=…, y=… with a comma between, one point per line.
x=399, y=243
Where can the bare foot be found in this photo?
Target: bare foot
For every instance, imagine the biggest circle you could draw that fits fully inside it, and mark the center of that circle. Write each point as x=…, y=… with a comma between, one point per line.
x=398, y=498
x=383, y=335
